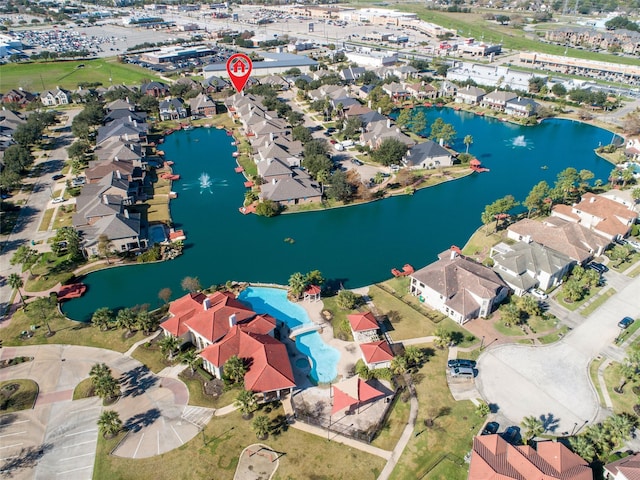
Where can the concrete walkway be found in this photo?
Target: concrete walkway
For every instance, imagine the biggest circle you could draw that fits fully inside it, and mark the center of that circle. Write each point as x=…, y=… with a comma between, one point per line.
x=603, y=386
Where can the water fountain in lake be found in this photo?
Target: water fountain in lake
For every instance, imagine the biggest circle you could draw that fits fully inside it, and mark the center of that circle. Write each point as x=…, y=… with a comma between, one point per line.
x=205, y=182
x=519, y=141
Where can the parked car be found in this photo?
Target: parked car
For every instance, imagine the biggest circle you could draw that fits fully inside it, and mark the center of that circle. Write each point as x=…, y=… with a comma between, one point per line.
x=78, y=181
x=598, y=267
x=462, y=372
x=355, y=161
x=539, y=294
x=512, y=434
x=461, y=362
x=58, y=176
x=625, y=322
x=58, y=200
x=490, y=428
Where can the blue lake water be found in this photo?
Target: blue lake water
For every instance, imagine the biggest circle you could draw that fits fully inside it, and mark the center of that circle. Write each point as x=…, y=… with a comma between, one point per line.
x=324, y=358
x=355, y=246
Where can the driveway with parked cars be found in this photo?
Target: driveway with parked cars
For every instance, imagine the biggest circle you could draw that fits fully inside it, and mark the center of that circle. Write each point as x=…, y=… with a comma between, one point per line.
x=552, y=382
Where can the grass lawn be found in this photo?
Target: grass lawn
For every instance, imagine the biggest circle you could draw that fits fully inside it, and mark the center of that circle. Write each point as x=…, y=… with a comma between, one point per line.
x=555, y=336
x=593, y=375
x=559, y=297
x=480, y=243
x=449, y=440
x=84, y=389
x=66, y=74
x=304, y=455
x=46, y=219
x=16, y=395
x=64, y=217
x=67, y=332
x=339, y=321
x=621, y=267
x=152, y=358
x=198, y=398
x=624, y=402
x=510, y=331
x=158, y=211
x=391, y=432
x=586, y=311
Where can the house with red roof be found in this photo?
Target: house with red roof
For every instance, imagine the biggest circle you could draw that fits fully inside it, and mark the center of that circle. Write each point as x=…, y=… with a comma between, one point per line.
x=376, y=354
x=627, y=468
x=364, y=326
x=220, y=326
x=459, y=287
x=600, y=214
x=492, y=458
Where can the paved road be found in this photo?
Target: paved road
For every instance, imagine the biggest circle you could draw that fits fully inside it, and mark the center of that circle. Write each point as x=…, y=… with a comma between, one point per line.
x=37, y=203
x=57, y=438
x=552, y=382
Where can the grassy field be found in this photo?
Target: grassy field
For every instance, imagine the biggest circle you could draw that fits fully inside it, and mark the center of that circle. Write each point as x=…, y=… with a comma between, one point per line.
x=586, y=311
x=622, y=402
x=199, y=398
x=152, y=358
x=84, y=389
x=16, y=395
x=215, y=455
x=437, y=452
x=47, y=75
x=46, y=219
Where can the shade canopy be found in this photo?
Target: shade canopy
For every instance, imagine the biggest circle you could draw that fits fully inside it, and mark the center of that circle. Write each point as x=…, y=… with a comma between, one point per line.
x=352, y=391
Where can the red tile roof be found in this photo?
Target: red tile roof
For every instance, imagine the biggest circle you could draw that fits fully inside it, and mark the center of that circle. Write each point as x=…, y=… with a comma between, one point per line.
x=269, y=368
x=182, y=310
x=376, y=352
x=363, y=321
x=213, y=323
x=627, y=466
x=492, y=458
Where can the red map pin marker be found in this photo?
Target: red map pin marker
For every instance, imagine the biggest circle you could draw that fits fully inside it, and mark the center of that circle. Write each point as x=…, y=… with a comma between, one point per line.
x=239, y=68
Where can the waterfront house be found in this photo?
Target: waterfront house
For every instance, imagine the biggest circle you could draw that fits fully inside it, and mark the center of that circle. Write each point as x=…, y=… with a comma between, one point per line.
x=601, y=215
x=172, y=109
x=396, y=91
x=459, y=287
x=470, y=95
x=497, y=100
x=58, y=96
x=298, y=188
x=427, y=154
x=521, y=107
x=569, y=238
x=124, y=130
x=364, y=326
x=220, y=326
x=202, y=106
x=122, y=230
x=524, y=266
x=493, y=458
x=627, y=468
x=376, y=132
x=376, y=354
x=422, y=91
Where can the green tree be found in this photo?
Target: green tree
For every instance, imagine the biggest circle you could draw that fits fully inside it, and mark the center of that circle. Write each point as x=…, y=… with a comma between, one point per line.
x=146, y=322
x=302, y=134
x=399, y=365
x=67, y=239
x=510, y=314
x=24, y=256
x=261, y=425
x=191, y=358
x=620, y=254
x=532, y=427
x=498, y=210
x=191, y=284
x=165, y=294
x=102, y=318
x=297, y=284
x=583, y=447
x=572, y=290
x=567, y=183
x=126, y=318
x=442, y=131
x=352, y=127
x=468, y=140
x=390, y=152
x=246, y=402
x=340, y=189
x=267, y=208
x=414, y=355
x=168, y=346
x=443, y=337
x=314, y=277
x=234, y=369
x=529, y=305
x=537, y=200
x=483, y=409
x=109, y=423
x=404, y=118
x=347, y=300
x=418, y=123
x=106, y=387
x=105, y=246
x=619, y=428
x=559, y=90
x=44, y=308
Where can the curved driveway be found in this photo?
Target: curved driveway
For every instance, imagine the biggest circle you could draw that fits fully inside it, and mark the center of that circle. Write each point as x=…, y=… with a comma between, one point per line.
x=59, y=435
x=552, y=382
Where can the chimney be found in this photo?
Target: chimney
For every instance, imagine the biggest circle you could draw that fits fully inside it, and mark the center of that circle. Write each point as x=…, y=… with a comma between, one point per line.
x=441, y=142
x=453, y=254
x=115, y=159
x=126, y=137
x=130, y=119
x=380, y=110
x=232, y=320
x=273, y=181
x=118, y=174
x=135, y=123
x=269, y=160
x=206, y=304
x=369, y=104
x=592, y=200
x=271, y=137
x=388, y=123
x=126, y=213
x=105, y=200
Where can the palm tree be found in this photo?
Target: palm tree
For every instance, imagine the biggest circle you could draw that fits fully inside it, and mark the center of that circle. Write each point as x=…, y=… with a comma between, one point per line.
x=614, y=176
x=102, y=318
x=234, y=369
x=104, y=384
x=261, y=425
x=583, y=447
x=483, y=409
x=414, y=355
x=246, y=402
x=532, y=426
x=126, y=318
x=600, y=440
x=109, y=423
x=322, y=176
x=443, y=337
x=146, y=322
x=627, y=175
x=191, y=359
x=15, y=282
x=297, y=284
x=168, y=345
x=468, y=140
x=619, y=428
x=399, y=364
x=627, y=372
x=99, y=370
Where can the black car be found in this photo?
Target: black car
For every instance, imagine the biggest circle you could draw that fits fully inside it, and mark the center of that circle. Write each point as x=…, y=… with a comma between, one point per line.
x=490, y=428
x=598, y=267
x=57, y=176
x=461, y=362
x=625, y=322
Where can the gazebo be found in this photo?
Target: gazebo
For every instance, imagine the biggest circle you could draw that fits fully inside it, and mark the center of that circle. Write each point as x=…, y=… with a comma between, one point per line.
x=353, y=391
x=312, y=293
x=364, y=326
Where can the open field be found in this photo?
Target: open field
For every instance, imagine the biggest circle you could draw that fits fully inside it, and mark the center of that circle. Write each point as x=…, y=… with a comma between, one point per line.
x=47, y=75
x=16, y=395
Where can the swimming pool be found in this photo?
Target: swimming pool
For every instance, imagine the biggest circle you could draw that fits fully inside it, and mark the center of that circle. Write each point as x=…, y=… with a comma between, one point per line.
x=157, y=234
x=324, y=358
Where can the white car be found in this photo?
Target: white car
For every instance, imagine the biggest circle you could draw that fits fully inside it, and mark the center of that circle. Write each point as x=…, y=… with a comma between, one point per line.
x=539, y=294
x=634, y=243
x=58, y=200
